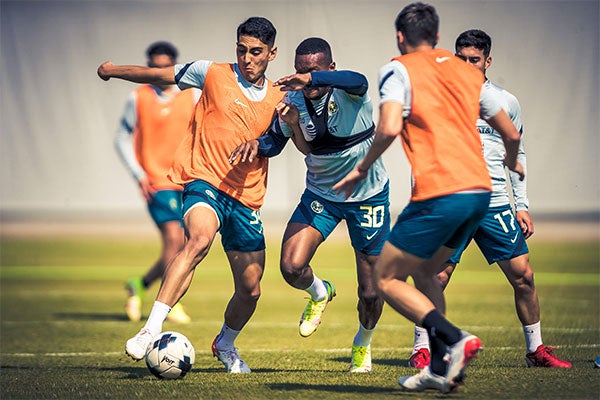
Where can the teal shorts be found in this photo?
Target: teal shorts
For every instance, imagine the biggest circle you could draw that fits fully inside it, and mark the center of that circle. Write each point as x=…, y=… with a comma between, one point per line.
x=425, y=226
x=498, y=236
x=240, y=226
x=165, y=206
x=368, y=221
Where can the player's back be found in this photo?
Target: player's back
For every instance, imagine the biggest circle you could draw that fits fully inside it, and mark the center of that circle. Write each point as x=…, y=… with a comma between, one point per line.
x=440, y=136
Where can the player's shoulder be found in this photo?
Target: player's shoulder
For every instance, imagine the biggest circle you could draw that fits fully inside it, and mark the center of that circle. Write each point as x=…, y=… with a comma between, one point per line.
x=507, y=96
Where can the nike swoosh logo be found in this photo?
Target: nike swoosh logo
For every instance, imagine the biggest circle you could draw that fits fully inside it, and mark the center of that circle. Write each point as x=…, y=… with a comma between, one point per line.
x=237, y=101
x=369, y=237
x=515, y=238
x=441, y=59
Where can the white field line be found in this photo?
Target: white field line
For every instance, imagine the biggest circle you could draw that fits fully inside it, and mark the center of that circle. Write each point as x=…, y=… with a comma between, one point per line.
x=208, y=352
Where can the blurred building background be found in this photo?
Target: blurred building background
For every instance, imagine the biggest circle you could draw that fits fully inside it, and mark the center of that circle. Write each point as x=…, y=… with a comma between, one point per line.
x=57, y=159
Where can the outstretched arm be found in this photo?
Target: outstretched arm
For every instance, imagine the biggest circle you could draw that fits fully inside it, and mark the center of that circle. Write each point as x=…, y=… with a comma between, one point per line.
x=137, y=73
x=388, y=127
x=349, y=81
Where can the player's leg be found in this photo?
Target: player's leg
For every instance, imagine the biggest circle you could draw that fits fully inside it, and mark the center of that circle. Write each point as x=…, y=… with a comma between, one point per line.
x=370, y=307
x=421, y=355
x=165, y=210
x=421, y=241
x=520, y=275
x=310, y=224
x=244, y=244
x=501, y=241
x=247, y=269
x=201, y=223
x=368, y=224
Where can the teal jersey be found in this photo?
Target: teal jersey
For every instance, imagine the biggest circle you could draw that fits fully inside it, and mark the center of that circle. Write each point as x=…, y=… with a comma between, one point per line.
x=348, y=115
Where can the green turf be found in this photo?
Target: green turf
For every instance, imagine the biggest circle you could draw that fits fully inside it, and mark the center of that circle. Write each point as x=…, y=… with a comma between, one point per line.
x=63, y=330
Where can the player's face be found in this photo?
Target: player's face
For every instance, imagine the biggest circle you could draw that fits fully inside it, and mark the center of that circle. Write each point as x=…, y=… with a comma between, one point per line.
x=475, y=57
x=253, y=57
x=306, y=63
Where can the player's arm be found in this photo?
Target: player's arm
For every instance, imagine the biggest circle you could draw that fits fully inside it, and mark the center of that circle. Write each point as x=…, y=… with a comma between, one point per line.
x=389, y=126
x=502, y=123
x=137, y=73
x=125, y=149
x=351, y=82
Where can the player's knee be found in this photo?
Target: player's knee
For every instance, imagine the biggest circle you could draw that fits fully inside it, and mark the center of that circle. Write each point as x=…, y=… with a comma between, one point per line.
x=525, y=282
x=197, y=247
x=291, y=269
x=370, y=301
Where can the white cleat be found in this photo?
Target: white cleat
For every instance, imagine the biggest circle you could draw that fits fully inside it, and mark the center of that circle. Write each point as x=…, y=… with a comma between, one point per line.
x=230, y=359
x=425, y=380
x=137, y=346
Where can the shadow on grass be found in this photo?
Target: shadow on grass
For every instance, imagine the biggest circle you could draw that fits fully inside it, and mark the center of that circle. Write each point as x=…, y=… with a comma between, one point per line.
x=391, y=362
x=332, y=388
x=91, y=316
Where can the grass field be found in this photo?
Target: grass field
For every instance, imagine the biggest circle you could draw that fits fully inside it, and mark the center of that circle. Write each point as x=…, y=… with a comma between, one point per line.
x=63, y=329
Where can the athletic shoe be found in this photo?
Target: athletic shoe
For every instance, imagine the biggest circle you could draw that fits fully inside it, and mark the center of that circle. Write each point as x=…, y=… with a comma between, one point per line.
x=597, y=362
x=178, y=315
x=311, y=317
x=230, y=359
x=459, y=356
x=133, y=308
x=361, y=359
x=425, y=380
x=544, y=357
x=135, y=291
x=136, y=346
x=420, y=358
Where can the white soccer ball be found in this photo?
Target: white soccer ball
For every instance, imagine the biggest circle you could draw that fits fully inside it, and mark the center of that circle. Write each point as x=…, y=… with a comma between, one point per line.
x=170, y=356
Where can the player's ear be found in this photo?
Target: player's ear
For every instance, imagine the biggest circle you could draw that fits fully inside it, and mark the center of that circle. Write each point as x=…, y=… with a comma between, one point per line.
x=488, y=62
x=332, y=66
x=272, y=53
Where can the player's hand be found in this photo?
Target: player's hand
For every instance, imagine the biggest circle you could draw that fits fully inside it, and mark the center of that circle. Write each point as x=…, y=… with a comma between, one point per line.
x=293, y=82
x=518, y=168
x=103, y=70
x=348, y=183
x=526, y=223
x=146, y=189
x=288, y=113
x=246, y=151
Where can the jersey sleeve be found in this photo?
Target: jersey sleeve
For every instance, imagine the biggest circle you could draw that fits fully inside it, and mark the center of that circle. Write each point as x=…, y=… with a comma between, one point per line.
x=191, y=75
x=394, y=85
x=351, y=82
x=124, y=138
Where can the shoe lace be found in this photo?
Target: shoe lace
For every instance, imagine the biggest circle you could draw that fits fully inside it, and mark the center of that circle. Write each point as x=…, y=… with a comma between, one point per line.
x=313, y=308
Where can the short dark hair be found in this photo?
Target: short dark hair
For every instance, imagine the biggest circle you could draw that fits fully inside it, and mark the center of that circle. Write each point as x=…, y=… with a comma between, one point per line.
x=474, y=38
x=419, y=23
x=162, y=47
x=315, y=45
x=258, y=27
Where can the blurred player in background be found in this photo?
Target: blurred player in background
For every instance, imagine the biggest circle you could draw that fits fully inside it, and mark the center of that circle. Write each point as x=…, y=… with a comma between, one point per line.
x=501, y=234
x=432, y=100
x=237, y=104
x=154, y=122
x=335, y=131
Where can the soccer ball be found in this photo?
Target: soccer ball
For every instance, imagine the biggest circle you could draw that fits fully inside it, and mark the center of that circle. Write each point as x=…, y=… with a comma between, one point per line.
x=170, y=356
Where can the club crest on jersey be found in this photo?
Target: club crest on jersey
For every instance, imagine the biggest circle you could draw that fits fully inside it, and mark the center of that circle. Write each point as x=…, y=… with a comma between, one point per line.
x=332, y=107
x=210, y=194
x=316, y=207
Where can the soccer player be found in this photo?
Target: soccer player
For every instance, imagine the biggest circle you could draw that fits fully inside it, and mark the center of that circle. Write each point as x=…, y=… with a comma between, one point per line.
x=153, y=124
x=431, y=99
x=335, y=122
x=501, y=234
x=237, y=104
